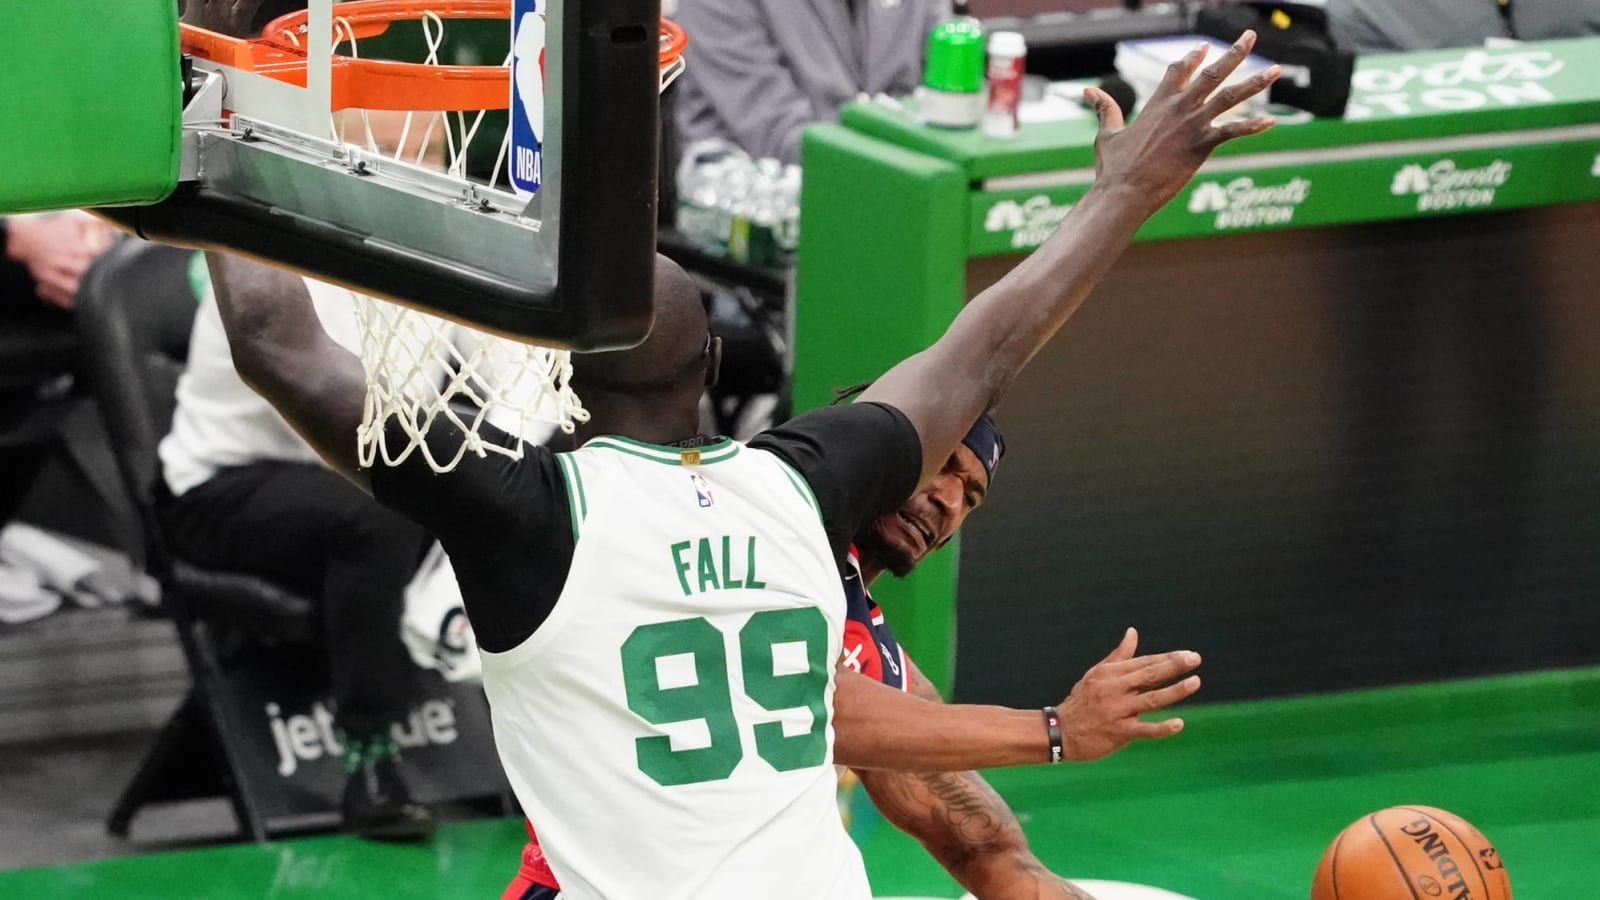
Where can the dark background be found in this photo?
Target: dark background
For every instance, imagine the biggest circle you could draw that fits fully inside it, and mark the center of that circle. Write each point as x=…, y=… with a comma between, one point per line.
x=1324, y=458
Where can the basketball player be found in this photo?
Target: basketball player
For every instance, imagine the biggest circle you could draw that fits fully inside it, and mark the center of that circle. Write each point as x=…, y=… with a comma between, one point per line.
x=962, y=822
x=660, y=611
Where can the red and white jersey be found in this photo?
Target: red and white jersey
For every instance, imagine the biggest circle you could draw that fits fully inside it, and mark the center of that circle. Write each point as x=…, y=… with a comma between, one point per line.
x=869, y=644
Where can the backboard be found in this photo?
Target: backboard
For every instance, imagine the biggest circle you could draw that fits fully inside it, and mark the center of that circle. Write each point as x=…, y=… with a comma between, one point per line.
x=541, y=230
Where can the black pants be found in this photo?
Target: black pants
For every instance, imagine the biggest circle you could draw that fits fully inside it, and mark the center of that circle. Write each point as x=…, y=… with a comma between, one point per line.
x=306, y=528
x=37, y=344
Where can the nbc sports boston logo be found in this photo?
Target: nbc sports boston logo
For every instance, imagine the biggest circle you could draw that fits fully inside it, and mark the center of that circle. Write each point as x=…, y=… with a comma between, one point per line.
x=1444, y=185
x=1031, y=221
x=1244, y=203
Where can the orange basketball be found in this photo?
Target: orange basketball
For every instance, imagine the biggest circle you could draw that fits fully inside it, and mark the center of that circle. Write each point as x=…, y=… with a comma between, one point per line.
x=1410, y=853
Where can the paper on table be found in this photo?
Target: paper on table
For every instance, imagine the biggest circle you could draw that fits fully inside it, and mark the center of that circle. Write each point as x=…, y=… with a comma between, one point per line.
x=1144, y=63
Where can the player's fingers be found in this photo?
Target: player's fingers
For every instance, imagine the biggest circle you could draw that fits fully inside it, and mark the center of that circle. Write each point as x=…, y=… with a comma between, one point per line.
x=1149, y=730
x=1224, y=133
x=1211, y=77
x=1124, y=649
x=1235, y=94
x=1109, y=113
x=1178, y=74
x=1154, y=700
x=1160, y=668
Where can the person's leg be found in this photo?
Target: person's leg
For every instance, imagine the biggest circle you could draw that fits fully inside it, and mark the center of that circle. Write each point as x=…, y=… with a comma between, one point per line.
x=309, y=530
x=19, y=466
x=37, y=346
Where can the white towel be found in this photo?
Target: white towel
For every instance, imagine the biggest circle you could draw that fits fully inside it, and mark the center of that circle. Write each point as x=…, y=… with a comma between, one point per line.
x=23, y=598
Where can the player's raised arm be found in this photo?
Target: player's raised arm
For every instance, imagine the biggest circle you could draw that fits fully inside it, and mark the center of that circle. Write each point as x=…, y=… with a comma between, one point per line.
x=282, y=351
x=1138, y=169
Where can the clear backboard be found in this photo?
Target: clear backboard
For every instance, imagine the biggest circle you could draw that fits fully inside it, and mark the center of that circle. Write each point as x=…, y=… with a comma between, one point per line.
x=491, y=161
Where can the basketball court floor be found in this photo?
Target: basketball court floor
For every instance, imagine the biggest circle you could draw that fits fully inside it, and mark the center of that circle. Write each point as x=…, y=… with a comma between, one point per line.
x=1239, y=807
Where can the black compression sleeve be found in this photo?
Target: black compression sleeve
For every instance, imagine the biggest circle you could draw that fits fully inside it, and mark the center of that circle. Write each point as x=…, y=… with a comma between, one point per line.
x=503, y=522
x=861, y=460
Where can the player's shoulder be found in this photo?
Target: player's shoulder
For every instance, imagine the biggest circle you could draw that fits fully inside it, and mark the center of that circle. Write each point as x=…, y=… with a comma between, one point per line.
x=704, y=451
x=842, y=423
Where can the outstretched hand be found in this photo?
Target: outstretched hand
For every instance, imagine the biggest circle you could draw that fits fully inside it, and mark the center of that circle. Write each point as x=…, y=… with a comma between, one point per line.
x=1101, y=715
x=1158, y=154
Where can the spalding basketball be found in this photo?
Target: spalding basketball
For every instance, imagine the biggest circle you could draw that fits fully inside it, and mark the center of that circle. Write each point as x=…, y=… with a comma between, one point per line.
x=1410, y=853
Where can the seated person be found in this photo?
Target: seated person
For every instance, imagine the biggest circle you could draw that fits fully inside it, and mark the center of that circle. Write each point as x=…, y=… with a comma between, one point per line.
x=241, y=491
x=761, y=70
x=44, y=257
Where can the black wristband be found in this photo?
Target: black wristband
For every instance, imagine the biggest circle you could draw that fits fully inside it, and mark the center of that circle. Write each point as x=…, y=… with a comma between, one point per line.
x=1052, y=723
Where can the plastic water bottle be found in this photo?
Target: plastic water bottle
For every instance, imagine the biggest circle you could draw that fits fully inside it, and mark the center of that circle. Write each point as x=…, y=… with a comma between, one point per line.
x=788, y=233
x=705, y=185
x=734, y=206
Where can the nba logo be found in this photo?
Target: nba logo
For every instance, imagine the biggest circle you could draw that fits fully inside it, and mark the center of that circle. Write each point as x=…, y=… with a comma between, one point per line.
x=527, y=96
x=702, y=490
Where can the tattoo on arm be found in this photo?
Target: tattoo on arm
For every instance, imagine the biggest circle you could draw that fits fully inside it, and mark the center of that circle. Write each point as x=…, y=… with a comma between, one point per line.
x=965, y=825
x=1063, y=889
x=954, y=814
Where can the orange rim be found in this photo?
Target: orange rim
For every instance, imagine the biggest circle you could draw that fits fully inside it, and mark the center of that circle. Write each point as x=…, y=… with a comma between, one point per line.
x=359, y=83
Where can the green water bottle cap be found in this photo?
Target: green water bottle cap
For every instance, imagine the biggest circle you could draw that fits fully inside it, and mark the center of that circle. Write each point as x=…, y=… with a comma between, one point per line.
x=955, y=56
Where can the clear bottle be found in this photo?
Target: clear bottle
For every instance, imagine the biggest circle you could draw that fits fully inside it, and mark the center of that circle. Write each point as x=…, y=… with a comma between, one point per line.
x=708, y=182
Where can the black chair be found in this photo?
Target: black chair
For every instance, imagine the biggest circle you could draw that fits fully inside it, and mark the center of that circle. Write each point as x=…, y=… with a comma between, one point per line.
x=44, y=414
x=135, y=310
x=37, y=362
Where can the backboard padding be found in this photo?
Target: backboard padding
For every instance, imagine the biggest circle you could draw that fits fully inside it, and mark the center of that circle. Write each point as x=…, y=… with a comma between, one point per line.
x=89, y=115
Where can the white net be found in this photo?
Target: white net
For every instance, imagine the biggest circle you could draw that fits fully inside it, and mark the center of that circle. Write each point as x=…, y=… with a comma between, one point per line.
x=424, y=372
x=427, y=375
x=457, y=135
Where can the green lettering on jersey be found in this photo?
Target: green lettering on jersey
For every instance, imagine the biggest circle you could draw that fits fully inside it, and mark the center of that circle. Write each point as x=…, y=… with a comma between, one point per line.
x=728, y=581
x=778, y=681
x=803, y=688
x=750, y=568
x=708, y=567
x=681, y=565
x=706, y=698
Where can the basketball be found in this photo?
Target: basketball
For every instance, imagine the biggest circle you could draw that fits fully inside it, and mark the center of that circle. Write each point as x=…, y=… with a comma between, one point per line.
x=1410, y=853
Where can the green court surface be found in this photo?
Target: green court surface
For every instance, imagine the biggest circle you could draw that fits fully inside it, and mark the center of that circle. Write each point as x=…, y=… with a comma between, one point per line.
x=1239, y=806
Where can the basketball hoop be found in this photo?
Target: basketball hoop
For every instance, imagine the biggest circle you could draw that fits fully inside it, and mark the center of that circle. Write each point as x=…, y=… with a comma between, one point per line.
x=422, y=370
x=366, y=83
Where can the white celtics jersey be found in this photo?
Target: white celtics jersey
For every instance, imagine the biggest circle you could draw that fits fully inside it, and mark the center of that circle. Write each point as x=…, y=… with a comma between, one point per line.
x=668, y=728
